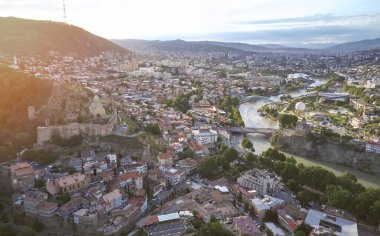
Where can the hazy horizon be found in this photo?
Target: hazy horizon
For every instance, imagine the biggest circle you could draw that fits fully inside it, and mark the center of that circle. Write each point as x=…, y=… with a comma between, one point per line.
x=293, y=23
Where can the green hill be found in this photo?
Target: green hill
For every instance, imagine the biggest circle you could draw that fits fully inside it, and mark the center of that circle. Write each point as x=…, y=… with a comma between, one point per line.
x=31, y=37
x=18, y=91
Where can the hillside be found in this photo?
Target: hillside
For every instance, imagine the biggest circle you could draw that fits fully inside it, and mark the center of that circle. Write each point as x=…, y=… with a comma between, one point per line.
x=361, y=45
x=18, y=91
x=199, y=47
x=30, y=37
x=175, y=47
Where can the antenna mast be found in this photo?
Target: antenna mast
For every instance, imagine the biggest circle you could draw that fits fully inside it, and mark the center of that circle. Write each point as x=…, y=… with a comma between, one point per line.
x=64, y=12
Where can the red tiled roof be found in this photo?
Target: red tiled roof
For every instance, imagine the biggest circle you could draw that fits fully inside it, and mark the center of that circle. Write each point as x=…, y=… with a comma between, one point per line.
x=153, y=219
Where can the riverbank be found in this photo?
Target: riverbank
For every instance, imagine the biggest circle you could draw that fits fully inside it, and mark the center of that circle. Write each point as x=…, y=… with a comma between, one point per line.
x=367, y=180
x=251, y=118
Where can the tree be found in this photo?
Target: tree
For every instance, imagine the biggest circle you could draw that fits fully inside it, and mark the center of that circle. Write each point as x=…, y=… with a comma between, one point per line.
x=64, y=197
x=153, y=129
x=271, y=216
x=247, y=143
x=188, y=153
x=7, y=229
x=250, y=158
x=39, y=183
x=299, y=233
x=364, y=201
x=231, y=154
x=208, y=167
x=339, y=197
x=292, y=185
x=71, y=170
x=305, y=228
x=38, y=226
x=27, y=232
x=287, y=120
x=374, y=213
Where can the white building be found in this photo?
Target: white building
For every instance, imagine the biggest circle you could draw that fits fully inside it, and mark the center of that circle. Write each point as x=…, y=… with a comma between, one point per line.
x=372, y=147
x=259, y=180
x=262, y=205
x=325, y=224
x=277, y=231
x=111, y=159
x=205, y=136
x=175, y=176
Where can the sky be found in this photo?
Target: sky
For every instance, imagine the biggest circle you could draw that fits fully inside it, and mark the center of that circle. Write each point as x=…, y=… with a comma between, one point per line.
x=289, y=22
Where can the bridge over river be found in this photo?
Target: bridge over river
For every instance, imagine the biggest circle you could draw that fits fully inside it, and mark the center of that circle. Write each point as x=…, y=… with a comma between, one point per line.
x=246, y=130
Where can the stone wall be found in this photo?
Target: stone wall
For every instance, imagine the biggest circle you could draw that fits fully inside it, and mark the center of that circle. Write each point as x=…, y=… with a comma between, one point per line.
x=331, y=152
x=44, y=134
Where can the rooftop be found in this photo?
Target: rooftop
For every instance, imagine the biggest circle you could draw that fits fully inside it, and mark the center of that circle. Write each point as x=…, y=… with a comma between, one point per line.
x=323, y=221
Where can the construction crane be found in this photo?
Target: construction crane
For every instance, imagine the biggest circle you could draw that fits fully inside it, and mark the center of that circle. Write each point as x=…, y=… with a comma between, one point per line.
x=64, y=12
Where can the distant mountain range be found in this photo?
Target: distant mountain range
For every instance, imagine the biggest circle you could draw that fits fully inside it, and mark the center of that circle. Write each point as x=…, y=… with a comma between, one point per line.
x=31, y=37
x=181, y=46
x=361, y=45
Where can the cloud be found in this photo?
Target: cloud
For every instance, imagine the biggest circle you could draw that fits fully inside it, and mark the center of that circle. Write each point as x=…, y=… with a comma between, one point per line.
x=304, y=19
x=301, y=35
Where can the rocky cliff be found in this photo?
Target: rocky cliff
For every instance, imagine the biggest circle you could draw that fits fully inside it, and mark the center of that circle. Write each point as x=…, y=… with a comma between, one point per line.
x=330, y=152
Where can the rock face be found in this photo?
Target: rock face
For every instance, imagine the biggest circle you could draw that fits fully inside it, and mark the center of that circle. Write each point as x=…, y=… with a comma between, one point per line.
x=331, y=152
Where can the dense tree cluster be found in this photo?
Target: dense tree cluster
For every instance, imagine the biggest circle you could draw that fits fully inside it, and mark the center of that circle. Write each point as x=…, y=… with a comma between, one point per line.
x=312, y=183
x=214, y=227
x=287, y=120
x=153, y=129
x=181, y=103
x=40, y=156
x=333, y=78
x=18, y=91
x=219, y=164
x=230, y=105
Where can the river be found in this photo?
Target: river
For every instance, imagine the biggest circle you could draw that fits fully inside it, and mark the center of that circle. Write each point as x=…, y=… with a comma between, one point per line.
x=261, y=143
x=251, y=118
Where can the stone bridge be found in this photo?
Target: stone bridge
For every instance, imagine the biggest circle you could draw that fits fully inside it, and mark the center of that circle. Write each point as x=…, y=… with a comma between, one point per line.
x=246, y=130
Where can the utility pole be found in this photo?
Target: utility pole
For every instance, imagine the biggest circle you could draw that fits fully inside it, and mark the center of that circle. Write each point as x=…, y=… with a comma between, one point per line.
x=64, y=12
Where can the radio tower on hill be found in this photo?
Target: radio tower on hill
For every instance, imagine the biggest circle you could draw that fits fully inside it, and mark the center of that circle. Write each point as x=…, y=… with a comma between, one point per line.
x=64, y=12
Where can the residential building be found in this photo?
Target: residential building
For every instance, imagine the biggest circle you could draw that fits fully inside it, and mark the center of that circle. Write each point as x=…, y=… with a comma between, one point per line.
x=372, y=147
x=111, y=160
x=86, y=217
x=73, y=205
x=244, y=225
x=165, y=158
x=276, y=231
x=141, y=167
x=205, y=136
x=69, y=183
x=287, y=221
x=175, y=176
x=77, y=163
x=88, y=155
x=129, y=179
x=189, y=164
x=112, y=200
x=155, y=186
x=47, y=209
x=22, y=176
x=326, y=224
x=35, y=203
x=262, y=205
x=32, y=199
x=260, y=180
